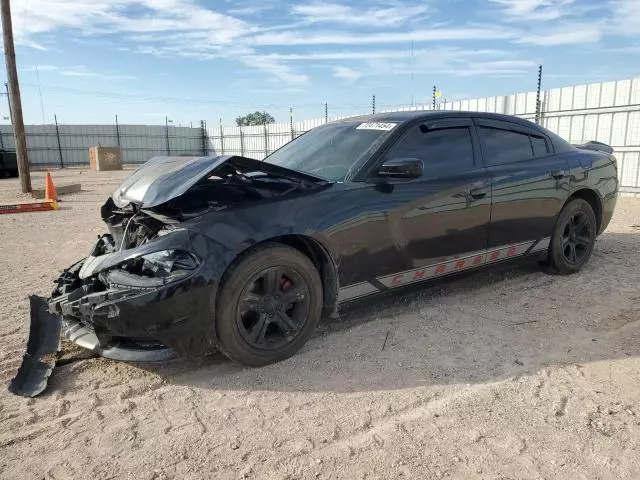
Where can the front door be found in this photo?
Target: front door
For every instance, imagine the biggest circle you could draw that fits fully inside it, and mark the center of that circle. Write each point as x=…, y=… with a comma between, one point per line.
x=439, y=222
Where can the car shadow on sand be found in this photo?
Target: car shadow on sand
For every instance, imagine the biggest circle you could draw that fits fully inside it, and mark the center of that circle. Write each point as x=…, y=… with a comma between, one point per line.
x=486, y=326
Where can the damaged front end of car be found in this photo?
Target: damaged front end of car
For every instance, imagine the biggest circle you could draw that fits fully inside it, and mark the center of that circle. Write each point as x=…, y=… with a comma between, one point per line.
x=139, y=295
x=132, y=298
x=147, y=290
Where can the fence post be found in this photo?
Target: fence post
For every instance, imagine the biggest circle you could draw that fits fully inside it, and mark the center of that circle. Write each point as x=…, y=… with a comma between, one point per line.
x=55, y=117
x=241, y=142
x=266, y=141
x=221, y=139
x=117, y=132
x=203, y=138
x=326, y=113
x=291, y=122
x=434, y=97
x=166, y=130
x=373, y=105
x=538, y=103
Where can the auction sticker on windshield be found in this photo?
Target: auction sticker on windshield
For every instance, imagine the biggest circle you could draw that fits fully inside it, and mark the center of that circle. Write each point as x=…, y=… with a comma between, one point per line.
x=376, y=126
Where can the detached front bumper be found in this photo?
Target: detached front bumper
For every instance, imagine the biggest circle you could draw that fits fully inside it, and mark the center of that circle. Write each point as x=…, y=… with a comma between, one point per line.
x=82, y=336
x=128, y=317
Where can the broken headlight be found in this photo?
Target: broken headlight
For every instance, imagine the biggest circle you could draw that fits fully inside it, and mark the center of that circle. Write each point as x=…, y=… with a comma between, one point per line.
x=168, y=263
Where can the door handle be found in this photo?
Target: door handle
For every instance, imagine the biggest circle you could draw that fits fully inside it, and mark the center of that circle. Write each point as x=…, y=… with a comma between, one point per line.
x=558, y=174
x=477, y=193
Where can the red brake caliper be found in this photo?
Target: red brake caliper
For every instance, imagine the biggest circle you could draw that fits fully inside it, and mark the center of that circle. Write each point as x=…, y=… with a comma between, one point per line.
x=285, y=284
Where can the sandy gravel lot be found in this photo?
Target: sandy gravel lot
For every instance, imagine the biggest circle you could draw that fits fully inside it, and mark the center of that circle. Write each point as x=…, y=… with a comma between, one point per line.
x=501, y=375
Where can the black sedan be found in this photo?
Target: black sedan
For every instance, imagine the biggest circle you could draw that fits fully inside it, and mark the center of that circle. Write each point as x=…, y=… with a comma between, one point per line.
x=243, y=256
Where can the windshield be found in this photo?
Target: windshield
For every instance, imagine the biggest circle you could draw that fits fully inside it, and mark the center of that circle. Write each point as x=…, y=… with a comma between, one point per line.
x=331, y=150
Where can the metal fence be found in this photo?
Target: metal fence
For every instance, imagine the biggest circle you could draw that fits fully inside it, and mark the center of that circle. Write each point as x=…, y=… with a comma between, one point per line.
x=68, y=145
x=608, y=112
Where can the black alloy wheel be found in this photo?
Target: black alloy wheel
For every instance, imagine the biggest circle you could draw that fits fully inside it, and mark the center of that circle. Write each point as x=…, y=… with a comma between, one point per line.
x=270, y=302
x=576, y=238
x=573, y=239
x=273, y=308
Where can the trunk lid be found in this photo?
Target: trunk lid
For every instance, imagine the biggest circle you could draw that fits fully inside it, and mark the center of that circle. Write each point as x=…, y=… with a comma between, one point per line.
x=595, y=146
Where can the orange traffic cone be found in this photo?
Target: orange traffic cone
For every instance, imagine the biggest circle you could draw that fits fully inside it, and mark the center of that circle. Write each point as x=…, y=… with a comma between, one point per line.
x=50, y=188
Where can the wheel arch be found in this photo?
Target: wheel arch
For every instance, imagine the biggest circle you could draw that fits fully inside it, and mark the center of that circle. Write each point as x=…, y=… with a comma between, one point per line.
x=314, y=251
x=594, y=200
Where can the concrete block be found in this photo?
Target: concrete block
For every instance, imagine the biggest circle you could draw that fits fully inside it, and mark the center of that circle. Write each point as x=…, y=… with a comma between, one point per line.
x=105, y=158
x=60, y=190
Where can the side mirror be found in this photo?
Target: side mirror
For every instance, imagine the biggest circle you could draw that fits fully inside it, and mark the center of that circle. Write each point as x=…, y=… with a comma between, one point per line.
x=401, y=168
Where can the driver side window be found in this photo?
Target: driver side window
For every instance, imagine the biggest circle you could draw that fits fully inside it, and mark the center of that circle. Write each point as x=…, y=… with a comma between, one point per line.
x=443, y=152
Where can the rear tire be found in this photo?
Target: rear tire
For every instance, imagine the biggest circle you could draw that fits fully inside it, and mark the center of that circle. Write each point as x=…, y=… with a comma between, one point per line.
x=573, y=238
x=269, y=305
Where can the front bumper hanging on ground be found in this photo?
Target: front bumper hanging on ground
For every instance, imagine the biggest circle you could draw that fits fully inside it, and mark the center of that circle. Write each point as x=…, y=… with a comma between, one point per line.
x=42, y=349
x=44, y=343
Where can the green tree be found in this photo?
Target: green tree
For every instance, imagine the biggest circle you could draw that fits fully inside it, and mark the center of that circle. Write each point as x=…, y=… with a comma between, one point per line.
x=256, y=118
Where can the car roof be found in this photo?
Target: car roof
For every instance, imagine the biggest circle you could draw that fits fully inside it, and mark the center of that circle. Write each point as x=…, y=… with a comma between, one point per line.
x=432, y=115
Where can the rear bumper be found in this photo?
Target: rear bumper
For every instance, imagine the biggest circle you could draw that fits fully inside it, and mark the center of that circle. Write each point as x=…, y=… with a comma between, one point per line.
x=608, y=207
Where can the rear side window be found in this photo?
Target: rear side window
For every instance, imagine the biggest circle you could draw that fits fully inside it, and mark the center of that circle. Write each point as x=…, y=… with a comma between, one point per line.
x=505, y=146
x=539, y=145
x=443, y=152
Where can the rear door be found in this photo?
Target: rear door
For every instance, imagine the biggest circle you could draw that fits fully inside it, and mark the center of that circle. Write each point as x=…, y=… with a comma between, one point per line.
x=529, y=183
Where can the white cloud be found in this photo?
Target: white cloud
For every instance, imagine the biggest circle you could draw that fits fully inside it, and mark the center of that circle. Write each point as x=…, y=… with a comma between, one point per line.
x=462, y=68
x=350, y=38
x=626, y=17
x=327, y=12
x=564, y=22
x=499, y=68
x=188, y=28
x=345, y=73
x=567, y=34
x=278, y=70
x=457, y=63
x=538, y=10
x=39, y=68
x=167, y=28
x=397, y=53
x=114, y=16
x=82, y=71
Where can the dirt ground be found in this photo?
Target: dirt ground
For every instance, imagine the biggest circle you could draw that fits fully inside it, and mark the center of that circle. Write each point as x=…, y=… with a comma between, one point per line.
x=500, y=375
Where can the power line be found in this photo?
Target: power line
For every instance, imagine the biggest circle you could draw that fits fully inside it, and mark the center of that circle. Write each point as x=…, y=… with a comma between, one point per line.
x=180, y=100
x=40, y=93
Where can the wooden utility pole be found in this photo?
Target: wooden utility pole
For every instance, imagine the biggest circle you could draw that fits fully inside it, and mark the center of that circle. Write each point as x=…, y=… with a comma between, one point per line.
x=14, y=98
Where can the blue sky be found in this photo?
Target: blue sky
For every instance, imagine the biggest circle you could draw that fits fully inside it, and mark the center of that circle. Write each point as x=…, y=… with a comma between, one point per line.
x=198, y=59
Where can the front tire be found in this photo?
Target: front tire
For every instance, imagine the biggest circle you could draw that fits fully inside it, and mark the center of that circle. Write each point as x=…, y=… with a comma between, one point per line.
x=269, y=306
x=573, y=238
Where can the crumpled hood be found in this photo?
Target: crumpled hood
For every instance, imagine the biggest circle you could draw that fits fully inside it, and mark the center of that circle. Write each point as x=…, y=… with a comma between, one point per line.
x=164, y=178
